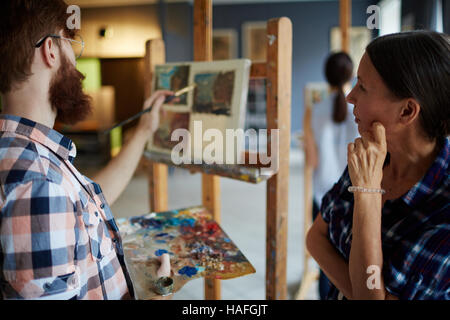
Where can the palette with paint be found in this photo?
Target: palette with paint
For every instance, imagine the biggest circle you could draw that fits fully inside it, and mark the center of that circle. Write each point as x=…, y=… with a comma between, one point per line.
x=197, y=245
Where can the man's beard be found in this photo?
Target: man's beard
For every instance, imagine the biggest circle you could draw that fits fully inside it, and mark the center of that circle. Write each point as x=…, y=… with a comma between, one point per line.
x=66, y=94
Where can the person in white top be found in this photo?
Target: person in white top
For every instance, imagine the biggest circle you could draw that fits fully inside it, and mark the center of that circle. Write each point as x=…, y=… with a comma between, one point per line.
x=333, y=128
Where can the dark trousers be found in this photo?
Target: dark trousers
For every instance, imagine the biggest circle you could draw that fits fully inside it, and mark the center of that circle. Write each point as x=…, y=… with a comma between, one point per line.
x=324, y=283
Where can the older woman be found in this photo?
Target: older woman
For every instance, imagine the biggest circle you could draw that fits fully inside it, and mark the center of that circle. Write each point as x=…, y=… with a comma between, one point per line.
x=384, y=228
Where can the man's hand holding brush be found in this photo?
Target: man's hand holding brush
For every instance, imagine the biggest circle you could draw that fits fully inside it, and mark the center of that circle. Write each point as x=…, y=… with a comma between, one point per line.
x=152, y=103
x=149, y=121
x=117, y=174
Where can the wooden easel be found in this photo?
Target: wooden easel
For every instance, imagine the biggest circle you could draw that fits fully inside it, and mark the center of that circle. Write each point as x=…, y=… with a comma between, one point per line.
x=277, y=71
x=309, y=276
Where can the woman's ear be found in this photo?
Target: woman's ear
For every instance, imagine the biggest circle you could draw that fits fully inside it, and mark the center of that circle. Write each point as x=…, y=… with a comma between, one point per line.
x=409, y=111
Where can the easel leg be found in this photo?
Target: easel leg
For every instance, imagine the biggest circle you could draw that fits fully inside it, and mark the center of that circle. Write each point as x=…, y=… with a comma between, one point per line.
x=211, y=201
x=210, y=183
x=279, y=69
x=157, y=187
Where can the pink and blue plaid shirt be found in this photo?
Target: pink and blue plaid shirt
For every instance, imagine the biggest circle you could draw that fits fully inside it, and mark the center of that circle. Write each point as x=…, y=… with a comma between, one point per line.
x=415, y=230
x=58, y=236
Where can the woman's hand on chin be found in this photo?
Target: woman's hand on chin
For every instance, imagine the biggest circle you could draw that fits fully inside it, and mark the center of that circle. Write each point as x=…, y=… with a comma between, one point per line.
x=366, y=157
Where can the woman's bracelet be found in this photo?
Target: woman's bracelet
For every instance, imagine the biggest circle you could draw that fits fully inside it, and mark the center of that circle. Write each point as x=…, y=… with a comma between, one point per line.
x=353, y=189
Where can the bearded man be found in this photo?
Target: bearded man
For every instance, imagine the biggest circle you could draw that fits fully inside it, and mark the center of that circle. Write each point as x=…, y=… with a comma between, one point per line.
x=58, y=237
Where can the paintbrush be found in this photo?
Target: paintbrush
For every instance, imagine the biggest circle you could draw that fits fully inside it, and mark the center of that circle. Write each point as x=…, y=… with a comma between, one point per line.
x=168, y=99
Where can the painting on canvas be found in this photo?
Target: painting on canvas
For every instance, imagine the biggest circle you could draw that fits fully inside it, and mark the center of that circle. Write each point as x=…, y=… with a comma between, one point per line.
x=213, y=93
x=360, y=37
x=172, y=78
x=314, y=93
x=224, y=44
x=218, y=101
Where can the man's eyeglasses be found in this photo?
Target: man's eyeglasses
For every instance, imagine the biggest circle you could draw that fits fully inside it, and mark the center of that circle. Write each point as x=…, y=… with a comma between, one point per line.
x=77, y=43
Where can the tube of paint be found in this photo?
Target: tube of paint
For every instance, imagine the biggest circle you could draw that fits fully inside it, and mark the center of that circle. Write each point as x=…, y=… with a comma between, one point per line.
x=164, y=269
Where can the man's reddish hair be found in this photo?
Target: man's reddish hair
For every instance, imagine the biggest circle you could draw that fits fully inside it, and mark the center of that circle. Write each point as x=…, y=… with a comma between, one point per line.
x=22, y=24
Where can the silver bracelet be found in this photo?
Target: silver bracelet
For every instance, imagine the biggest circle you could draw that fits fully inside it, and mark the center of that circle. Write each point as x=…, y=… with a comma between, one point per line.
x=353, y=189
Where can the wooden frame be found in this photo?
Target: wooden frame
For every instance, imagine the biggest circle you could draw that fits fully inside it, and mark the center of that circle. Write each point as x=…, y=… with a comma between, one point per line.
x=231, y=36
x=277, y=70
x=248, y=41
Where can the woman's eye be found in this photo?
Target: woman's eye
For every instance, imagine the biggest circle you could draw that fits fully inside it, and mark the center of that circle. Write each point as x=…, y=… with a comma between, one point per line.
x=362, y=88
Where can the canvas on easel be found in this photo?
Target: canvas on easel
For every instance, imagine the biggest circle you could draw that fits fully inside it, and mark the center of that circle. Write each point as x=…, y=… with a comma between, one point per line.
x=224, y=44
x=315, y=92
x=217, y=102
x=360, y=37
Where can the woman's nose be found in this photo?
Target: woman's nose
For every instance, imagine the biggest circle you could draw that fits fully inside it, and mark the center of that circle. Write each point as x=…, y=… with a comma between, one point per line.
x=350, y=98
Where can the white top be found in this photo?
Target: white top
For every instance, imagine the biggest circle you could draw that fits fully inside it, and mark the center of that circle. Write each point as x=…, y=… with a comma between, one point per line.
x=331, y=140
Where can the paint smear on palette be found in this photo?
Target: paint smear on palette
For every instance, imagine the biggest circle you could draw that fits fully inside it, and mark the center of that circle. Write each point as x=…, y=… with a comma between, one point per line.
x=197, y=245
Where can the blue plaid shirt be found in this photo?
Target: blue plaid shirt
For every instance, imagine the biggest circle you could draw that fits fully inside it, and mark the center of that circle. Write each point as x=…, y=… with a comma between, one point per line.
x=415, y=232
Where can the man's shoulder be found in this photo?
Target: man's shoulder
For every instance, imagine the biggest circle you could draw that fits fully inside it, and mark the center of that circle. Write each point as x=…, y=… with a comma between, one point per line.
x=23, y=160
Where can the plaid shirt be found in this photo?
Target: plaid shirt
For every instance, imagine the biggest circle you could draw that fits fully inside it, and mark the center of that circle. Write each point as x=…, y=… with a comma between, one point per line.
x=415, y=232
x=58, y=237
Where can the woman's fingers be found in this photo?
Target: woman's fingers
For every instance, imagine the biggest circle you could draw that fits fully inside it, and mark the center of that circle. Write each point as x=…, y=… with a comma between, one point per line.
x=379, y=133
x=366, y=157
x=351, y=147
x=366, y=138
x=359, y=146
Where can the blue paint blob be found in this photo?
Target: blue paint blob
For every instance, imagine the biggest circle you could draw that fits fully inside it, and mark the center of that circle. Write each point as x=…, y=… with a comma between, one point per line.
x=187, y=222
x=152, y=224
x=173, y=222
x=136, y=220
x=160, y=252
x=161, y=235
x=188, y=271
x=226, y=240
